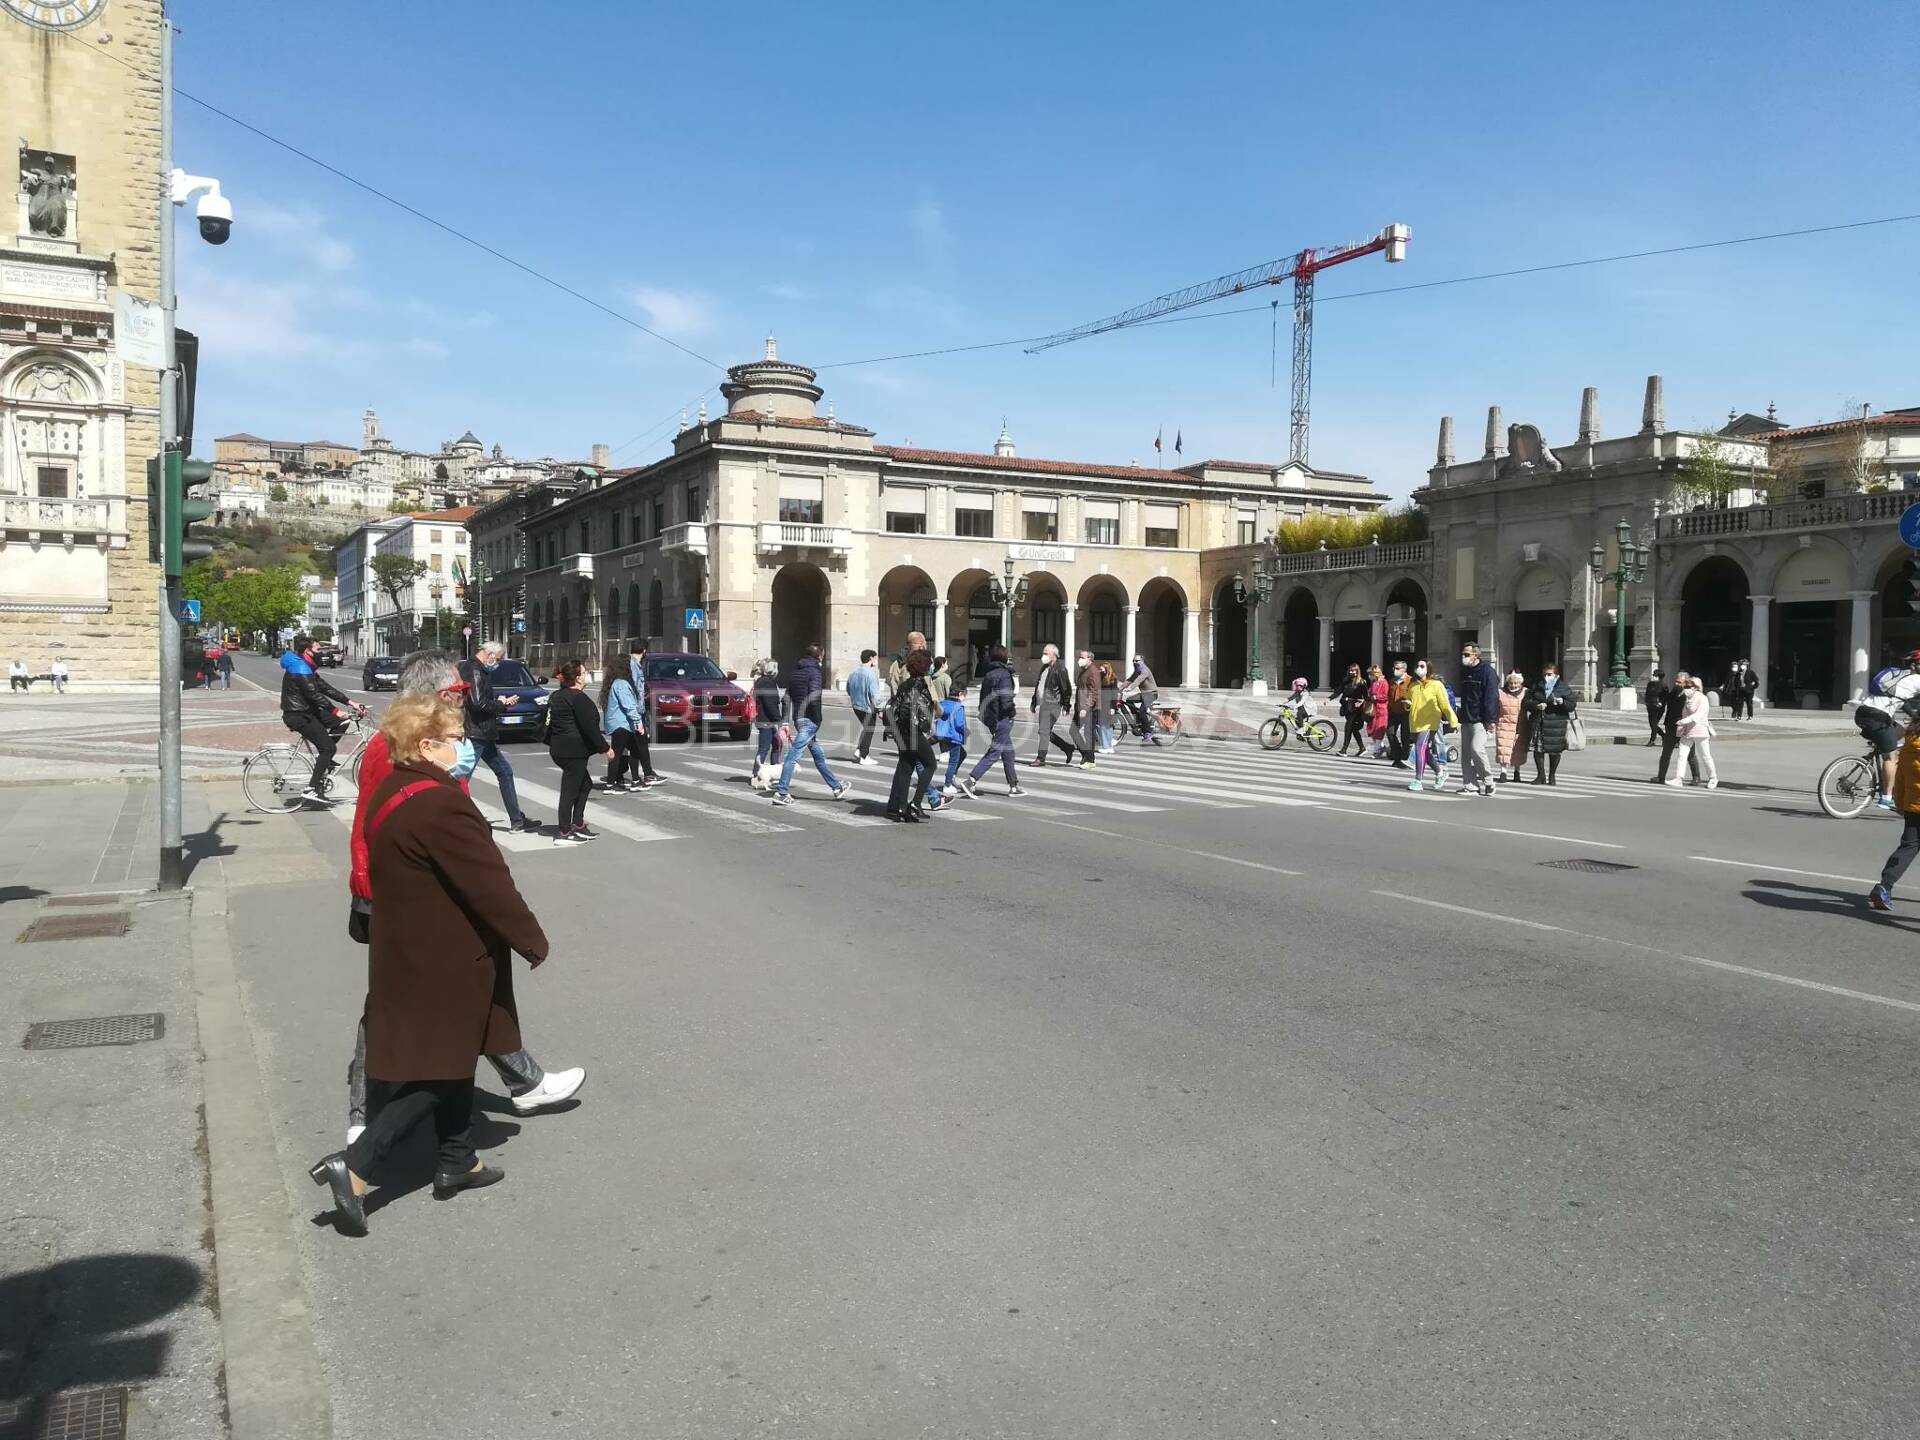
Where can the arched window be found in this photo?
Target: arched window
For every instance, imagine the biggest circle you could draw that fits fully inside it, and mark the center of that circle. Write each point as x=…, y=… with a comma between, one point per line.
x=566, y=623
x=613, y=612
x=656, y=609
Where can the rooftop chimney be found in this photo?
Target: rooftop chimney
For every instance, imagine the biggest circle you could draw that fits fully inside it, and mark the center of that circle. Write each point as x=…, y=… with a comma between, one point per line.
x=1653, y=414
x=1589, y=415
x=1496, y=435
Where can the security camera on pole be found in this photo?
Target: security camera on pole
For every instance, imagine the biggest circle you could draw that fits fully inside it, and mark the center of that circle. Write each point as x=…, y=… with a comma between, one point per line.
x=171, y=476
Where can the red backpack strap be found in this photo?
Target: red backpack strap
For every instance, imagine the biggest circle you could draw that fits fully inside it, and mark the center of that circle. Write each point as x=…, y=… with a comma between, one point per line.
x=394, y=801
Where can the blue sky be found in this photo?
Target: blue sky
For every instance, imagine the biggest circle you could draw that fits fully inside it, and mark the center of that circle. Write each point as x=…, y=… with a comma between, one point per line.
x=867, y=180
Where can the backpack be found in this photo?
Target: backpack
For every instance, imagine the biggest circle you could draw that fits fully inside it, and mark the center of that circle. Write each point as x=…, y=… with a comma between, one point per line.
x=912, y=711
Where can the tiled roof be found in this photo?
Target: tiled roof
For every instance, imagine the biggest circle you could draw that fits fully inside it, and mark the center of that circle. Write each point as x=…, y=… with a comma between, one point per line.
x=1908, y=416
x=242, y=435
x=460, y=516
x=1032, y=467
x=811, y=422
x=330, y=444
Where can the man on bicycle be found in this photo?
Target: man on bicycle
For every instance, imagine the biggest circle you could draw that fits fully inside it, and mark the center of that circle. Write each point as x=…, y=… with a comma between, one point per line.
x=1882, y=715
x=313, y=710
x=1137, y=695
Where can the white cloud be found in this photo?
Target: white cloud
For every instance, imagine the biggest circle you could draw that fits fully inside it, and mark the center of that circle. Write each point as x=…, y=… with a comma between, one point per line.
x=242, y=319
x=302, y=232
x=674, y=313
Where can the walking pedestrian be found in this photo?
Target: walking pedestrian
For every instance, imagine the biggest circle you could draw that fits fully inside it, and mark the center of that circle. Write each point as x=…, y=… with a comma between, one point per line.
x=911, y=719
x=223, y=662
x=1353, y=712
x=804, y=688
x=998, y=706
x=1673, y=702
x=1655, y=701
x=1479, y=709
x=483, y=709
x=1427, y=710
x=1109, y=703
x=1906, y=799
x=532, y=1088
x=897, y=671
x=1399, y=737
x=950, y=730
x=863, y=693
x=1086, y=708
x=1052, y=696
x=939, y=679
x=1379, y=696
x=1740, y=687
x=18, y=677
x=620, y=706
x=440, y=983
x=769, y=722
x=643, y=731
x=1694, y=733
x=1550, y=711
x=1510, y=726
x=574, y=738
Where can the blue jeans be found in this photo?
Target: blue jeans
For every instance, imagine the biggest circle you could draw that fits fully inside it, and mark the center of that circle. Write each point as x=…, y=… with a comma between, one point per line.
x=805, y=737
x=956, y=754
x=766, y=745
x=1002, y=749
x=489, y=755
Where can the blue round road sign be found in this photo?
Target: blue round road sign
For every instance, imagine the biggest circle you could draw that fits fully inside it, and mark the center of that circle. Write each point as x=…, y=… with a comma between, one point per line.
x=1910, y=527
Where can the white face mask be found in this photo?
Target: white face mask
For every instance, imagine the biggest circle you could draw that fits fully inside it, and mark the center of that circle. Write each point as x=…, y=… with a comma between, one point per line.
x=1420, y=670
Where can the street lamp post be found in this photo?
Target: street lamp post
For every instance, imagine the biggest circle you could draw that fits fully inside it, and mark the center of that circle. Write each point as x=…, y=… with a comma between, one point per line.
x=1007, y=595
x=1253, y=595
x=1631, y=570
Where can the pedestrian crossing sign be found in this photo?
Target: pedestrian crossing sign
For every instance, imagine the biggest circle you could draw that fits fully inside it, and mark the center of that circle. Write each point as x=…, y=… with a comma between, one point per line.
x=696, y=619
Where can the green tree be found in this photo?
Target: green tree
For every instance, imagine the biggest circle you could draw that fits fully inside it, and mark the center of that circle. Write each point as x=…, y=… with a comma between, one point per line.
x=394, y=576
x=261, y=600
x=278, y=494
x=1340, y=531
x=1710, y=474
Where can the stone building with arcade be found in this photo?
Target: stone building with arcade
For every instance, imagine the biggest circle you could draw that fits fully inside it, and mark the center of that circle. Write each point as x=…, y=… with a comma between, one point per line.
x=772, y=527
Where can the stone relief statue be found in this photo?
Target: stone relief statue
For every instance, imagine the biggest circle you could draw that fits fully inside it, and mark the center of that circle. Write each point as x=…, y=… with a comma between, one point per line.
x=46, y=382
x=1527, y=453
x=47, y=182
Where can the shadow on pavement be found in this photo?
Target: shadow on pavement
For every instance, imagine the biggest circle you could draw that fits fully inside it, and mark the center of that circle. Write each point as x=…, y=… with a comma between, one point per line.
x=19, y=892
x=410, y=1168
x=1823, y=900
x=65, y=1326
x=206, y=844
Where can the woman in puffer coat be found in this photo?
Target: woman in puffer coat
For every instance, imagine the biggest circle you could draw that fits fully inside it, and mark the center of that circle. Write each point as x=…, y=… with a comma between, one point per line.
x=1510, y=725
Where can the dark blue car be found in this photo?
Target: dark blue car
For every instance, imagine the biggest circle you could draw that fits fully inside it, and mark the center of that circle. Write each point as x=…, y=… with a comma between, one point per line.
x=529, y=717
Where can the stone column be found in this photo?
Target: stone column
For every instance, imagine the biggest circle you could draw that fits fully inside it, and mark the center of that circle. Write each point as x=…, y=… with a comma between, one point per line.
x=1653, y=412
x=1443, y=452
x=1760, y=645
x=1860, y=647
x=1496, y=435
x=939, y=637
x=1325, y=667
x=1379, y=640
x=1499, y=624
x=1132, y=638
x=1589, y=415
x=1189, y=651
x=1070, y=653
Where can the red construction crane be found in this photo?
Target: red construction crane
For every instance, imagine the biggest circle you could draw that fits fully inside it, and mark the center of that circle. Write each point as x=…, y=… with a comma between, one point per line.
x=1300, y=269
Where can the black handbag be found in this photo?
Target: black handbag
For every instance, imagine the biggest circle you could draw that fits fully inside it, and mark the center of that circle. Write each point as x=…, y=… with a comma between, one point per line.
x=360, y=921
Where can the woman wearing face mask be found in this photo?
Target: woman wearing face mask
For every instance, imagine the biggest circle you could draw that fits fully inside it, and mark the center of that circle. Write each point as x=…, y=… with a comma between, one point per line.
x=1379, y=694
x=1353, y=710
x=573, y=738
x=1550, y=707
x=439, y=982
x=1509, y=726
x=1428, y=708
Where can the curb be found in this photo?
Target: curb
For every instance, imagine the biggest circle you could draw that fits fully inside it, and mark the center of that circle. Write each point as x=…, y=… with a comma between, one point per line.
x=276, y=1388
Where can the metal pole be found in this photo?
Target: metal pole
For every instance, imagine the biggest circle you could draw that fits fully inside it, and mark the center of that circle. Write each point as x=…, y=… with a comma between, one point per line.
x=1253, y=669
x=173, y=869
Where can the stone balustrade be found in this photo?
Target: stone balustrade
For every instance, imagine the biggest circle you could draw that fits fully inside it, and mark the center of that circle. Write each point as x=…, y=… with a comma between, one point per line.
x=49, y=515
x=1787, y=516
x=1410, y=554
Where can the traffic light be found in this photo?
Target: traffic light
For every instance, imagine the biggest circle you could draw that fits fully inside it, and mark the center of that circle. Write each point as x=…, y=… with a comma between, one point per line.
x=156, y=509
x=183, y=509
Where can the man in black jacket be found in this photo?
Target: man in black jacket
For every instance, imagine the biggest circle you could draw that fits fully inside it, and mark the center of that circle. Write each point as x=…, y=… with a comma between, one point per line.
x=313, y=710
x=1479, y=708
x=1052, y=694
x=482, y=710
x=997, y=709
x=1655, y=701
x=1672, y=702
x=1741, y=683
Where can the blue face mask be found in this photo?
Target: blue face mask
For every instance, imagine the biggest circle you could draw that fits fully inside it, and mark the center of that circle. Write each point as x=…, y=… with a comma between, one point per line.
x=489, y=668
x=467, y=759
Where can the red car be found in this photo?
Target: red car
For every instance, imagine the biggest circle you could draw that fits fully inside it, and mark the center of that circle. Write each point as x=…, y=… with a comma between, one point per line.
x=689, y=692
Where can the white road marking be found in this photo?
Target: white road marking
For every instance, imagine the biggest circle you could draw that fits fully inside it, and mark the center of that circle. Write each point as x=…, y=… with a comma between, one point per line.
x=1782, y=869
x=731, y=818
x=1747, y=970
x=1558, y=839
x=602, y=816
x=1065, y=825
x=1237, y=860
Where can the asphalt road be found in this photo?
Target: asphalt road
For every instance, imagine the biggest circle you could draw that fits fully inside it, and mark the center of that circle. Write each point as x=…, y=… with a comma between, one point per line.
x=1211, y=1093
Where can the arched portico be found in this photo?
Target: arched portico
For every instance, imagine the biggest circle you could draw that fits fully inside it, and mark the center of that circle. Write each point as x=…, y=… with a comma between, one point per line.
x=1161, y=630
x=1230, y=646
x=802, y=613
x=1353, y=614
x=909, y=602
x=1303, y=654
x=1403, y=624
x=1822, y=626
x=1100, y=623
x=973, y=621
x=1715, y=619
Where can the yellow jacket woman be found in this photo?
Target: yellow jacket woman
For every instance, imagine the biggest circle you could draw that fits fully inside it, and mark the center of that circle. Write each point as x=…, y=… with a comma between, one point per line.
x=1428, y=704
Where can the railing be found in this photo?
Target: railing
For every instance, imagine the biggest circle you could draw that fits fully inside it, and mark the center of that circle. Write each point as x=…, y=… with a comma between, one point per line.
x=779, y=535
x=37, y=513
x=577, y=567
x=1355, y=557
x=691, y=538
x=1789, y=515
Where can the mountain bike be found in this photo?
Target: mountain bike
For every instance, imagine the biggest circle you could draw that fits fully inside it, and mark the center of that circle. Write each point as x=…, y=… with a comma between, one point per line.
x=1849, y=785
x=275, y=774
x=1165, y=720
x=1317, y=733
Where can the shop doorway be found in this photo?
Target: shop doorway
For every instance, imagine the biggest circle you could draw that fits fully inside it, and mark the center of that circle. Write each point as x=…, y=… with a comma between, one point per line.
x=1809, y=646
x=1229, y=638
x=1538, y=636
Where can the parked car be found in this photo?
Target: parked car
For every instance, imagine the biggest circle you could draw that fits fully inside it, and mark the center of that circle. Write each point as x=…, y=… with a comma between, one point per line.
x=328, y=655
x=689, y=692
x=382, y=672
x=510, y=677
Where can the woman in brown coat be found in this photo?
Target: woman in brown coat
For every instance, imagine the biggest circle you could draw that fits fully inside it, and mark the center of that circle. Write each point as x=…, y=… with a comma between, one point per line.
x=1509, y=725
x=440, y=982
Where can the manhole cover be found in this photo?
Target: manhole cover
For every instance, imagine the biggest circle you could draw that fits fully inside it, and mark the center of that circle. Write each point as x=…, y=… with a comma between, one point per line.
x=96, y=925
x=94, y=1030
x=75, y=1415
x=1595, y=867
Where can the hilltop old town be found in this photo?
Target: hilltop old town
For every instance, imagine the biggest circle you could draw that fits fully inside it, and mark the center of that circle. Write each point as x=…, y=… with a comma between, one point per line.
x=1084, y=924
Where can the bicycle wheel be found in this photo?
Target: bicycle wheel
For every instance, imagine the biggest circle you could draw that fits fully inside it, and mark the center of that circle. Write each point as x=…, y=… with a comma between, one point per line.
x=1318, y=734
x=1272, y=734
x=1166, y=729
x=1847, y=786
x=274, y=776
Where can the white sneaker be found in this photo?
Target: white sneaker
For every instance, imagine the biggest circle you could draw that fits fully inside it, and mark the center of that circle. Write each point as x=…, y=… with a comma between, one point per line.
x=354, y=1132
x=949, y=791
x=557, y=1086
x=1676, y=784
x=866, y=760
x=1713, y=784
